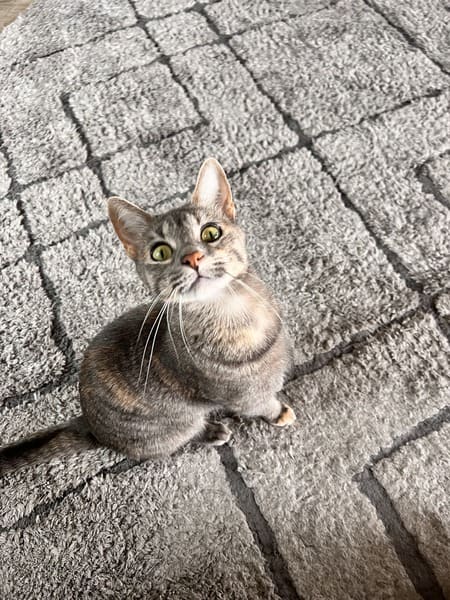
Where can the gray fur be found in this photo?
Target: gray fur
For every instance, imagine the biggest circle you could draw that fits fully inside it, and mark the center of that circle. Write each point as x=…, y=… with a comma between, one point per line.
x=149, y=382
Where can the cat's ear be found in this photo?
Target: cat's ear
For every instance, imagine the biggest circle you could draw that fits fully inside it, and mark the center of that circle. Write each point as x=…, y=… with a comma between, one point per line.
x=130, y=223
x=213, y=190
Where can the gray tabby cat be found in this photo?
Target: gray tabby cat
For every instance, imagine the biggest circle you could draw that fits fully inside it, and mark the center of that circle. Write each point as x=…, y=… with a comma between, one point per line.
x=211, y=339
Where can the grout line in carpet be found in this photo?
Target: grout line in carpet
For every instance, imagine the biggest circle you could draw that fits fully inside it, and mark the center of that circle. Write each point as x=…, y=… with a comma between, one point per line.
x=358, y=339
x=29, y=397
x=104, y=35
x=98, y=38
x=372, y=4
x=263, y=535
x=418, y=570
x=307, y=141
x=415, y=564
x=429, y=187
x=442, y=323
x=165, y=59
x=33, y=256
x=44, y=509
x=374, y=117
x=91, y=161
x=420, y=430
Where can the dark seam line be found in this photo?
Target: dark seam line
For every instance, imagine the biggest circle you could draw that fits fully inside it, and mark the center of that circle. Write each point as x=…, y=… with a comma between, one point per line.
x=224, y=37
x=391, y=256
x=189, y=9
x=77, y=168
x=288, y=120
x=426, y=305
x=405, y=546
x=429, y=187
x=92, y=162
x=44, y=509
x=373, y=118
x=263, y=535
x=57, y=330
x=282, y=152
x=102, y=36
x=165, y=59
x=358, y=339
x=144, y=144
x=427, y=579
x=29, y=397
x=307, y=141
x=97, y=38
x=92, y=82
x=405, y=35
x=442, y=322
x=421, y=430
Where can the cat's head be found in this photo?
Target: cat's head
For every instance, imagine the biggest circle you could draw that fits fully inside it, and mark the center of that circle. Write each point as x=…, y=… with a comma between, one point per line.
x=193, y=251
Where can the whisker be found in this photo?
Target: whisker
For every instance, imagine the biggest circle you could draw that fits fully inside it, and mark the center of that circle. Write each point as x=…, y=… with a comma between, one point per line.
x=166, y=303
x=183, y=336
x=148, y=340
x=148, y=312
x=168, y=317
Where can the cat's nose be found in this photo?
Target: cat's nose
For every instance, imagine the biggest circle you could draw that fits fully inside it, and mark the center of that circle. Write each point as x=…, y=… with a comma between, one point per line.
x=192, y=259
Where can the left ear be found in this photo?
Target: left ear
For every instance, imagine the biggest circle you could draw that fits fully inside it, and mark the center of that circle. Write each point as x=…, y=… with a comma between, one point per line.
x=212, y=189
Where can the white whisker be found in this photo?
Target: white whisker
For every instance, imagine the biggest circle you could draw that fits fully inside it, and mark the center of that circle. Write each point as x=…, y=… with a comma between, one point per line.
x=148, y=340
x=183, y=336
x=148, y=312
x=168, y=317
x=166, y=303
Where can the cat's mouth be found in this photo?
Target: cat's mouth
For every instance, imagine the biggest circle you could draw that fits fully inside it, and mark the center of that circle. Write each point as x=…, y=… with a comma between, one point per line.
x=199, y=281
x=205, y=287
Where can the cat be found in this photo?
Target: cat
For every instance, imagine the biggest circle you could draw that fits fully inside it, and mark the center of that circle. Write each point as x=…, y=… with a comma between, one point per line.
x=210, y=339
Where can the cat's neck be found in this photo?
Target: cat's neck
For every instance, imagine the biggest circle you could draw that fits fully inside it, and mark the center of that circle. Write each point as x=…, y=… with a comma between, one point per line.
x=234, y=328
x=244, y=303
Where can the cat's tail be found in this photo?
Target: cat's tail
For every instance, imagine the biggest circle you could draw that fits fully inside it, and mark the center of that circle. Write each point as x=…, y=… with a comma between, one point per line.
x=65, y=439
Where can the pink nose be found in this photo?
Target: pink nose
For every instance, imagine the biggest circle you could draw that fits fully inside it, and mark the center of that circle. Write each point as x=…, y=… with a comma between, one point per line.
x=192, y=259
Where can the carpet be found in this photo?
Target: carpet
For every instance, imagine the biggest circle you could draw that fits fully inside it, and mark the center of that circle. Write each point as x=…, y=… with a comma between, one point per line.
x=332, y=120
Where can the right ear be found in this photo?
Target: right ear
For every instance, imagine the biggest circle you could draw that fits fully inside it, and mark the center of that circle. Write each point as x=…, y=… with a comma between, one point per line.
x=130, y=223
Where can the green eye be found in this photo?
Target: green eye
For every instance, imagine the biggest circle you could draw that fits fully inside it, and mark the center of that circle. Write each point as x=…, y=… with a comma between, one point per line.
x=211, y=233
x=161, y=252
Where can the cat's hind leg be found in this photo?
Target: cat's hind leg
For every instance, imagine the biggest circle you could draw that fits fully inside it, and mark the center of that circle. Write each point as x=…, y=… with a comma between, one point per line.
x=271, y=409
x=285, y=417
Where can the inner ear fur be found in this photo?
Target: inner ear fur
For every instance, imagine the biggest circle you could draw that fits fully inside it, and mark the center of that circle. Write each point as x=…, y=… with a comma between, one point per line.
x=212, y=189
x=130, y=224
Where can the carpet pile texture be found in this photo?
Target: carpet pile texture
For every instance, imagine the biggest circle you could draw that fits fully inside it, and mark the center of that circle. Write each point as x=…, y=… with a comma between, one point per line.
x=332, y=119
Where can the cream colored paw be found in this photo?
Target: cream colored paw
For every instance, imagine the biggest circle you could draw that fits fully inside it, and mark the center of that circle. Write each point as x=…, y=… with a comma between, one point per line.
x=286, y=417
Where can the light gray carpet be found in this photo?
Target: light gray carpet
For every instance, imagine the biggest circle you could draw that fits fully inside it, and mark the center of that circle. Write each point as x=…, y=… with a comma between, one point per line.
x=332, y=119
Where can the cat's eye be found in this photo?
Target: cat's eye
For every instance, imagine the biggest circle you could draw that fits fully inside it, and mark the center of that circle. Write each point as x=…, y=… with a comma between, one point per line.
x=161, y=252
x=210, y=233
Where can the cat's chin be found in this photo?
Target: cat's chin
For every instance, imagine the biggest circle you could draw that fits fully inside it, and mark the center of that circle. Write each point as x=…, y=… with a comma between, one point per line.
x=207, y=289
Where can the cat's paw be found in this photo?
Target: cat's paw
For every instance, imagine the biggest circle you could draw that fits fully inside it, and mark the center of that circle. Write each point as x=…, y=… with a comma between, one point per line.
x=216, y=434
x=286, y=417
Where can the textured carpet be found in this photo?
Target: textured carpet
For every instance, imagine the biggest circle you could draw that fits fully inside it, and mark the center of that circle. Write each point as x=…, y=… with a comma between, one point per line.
x=333, y=120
